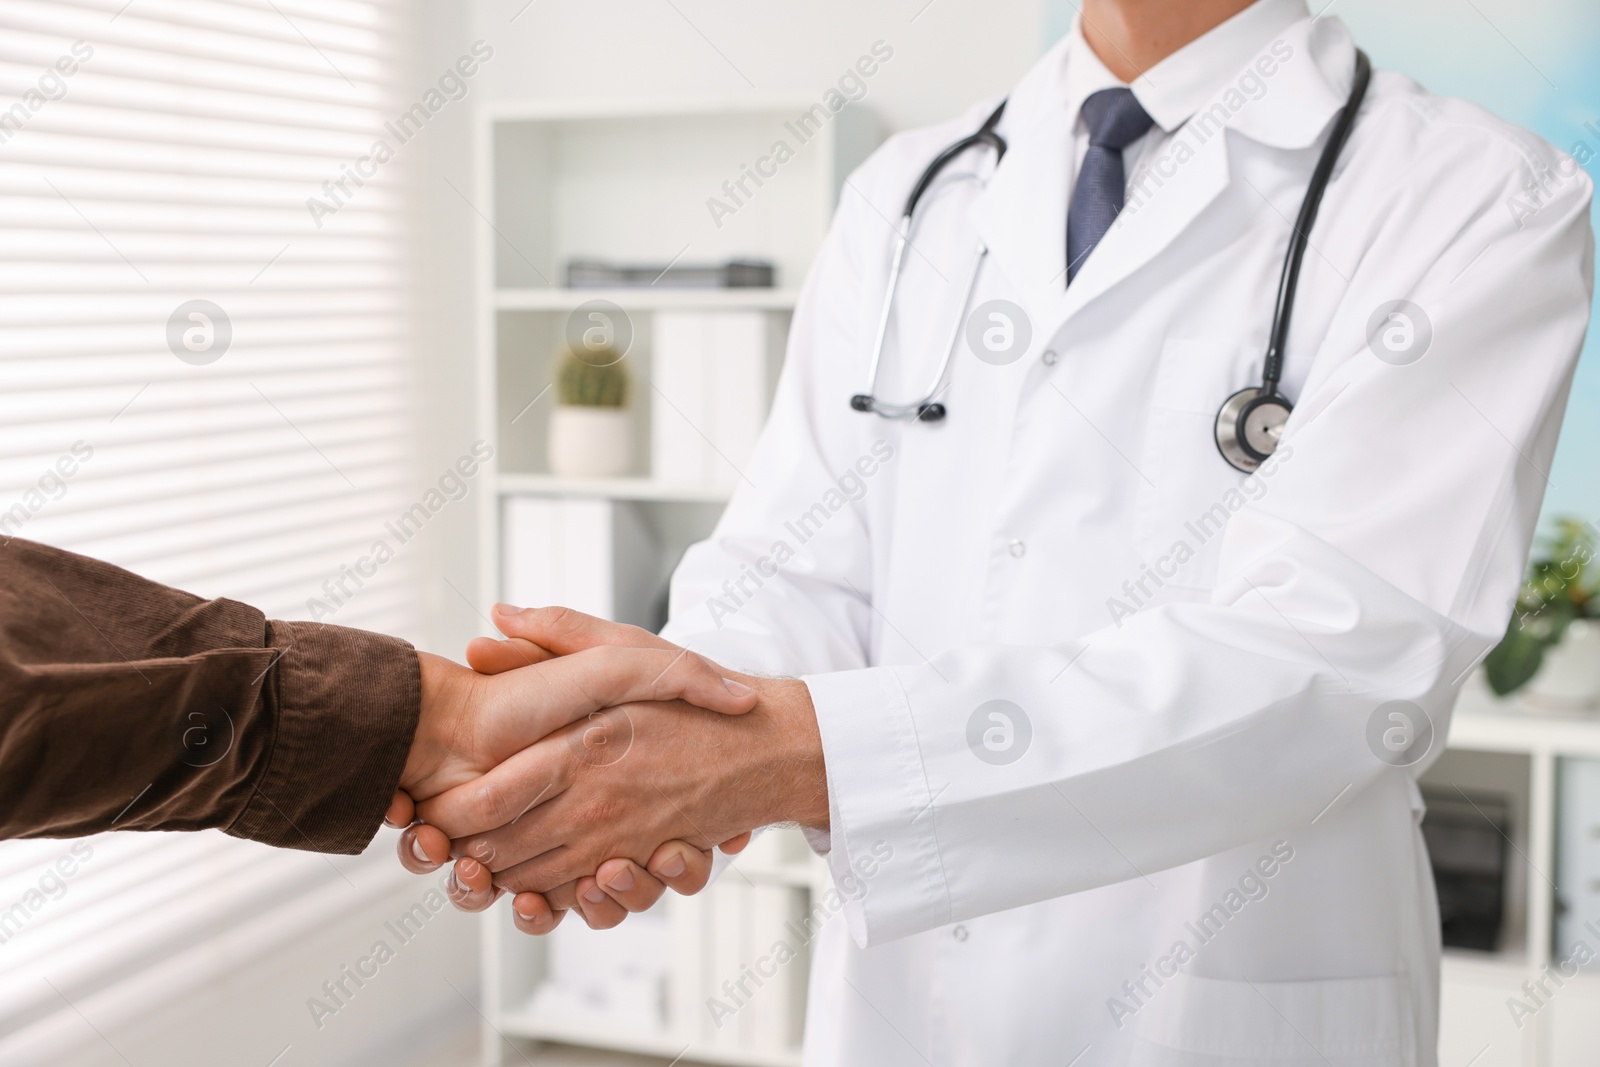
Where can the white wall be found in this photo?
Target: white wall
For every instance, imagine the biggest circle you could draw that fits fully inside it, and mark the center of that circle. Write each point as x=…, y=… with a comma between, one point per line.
x=947, y=54
x=444, y=308
x=955, y=52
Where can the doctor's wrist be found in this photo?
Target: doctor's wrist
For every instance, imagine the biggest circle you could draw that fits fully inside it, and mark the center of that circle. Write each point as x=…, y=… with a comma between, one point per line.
x=799, y=781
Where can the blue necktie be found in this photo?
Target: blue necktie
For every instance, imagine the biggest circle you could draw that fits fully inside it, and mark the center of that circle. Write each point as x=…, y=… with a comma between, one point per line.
x=1115, y=121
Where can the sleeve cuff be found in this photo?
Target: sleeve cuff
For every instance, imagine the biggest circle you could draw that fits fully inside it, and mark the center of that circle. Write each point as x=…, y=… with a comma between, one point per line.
x=882, y=849
x=347, y=704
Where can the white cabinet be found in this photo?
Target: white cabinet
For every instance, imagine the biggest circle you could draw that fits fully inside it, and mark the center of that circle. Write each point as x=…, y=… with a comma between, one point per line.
x=1574, y=1035
x=1474, y=1024
x=1486, y=1010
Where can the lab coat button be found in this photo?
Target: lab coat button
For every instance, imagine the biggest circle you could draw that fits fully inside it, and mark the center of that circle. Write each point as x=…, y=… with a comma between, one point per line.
x=959, y=933
x=1018, y=549
x=1049, y=357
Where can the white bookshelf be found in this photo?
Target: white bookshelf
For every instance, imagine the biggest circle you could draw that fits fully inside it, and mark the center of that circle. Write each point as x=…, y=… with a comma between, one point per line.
x=614, y=488
x=648, y=299
x=629, y=184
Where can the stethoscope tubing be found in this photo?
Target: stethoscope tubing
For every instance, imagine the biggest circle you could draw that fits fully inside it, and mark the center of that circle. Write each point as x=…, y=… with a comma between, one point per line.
x=1241, y=454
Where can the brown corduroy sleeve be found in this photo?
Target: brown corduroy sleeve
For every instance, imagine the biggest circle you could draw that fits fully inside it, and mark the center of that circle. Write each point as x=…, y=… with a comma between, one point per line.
x=128, y=705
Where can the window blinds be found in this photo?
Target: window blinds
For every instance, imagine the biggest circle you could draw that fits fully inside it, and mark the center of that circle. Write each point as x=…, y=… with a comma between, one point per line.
x=200, y=380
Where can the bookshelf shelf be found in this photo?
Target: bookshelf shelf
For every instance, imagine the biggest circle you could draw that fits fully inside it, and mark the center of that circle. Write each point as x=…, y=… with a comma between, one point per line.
x=1483, y=723
x=601, y=1033
x=613, y=488
x=645, y=299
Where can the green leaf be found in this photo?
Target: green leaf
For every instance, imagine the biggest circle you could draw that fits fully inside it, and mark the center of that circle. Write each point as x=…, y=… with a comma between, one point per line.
x=1515, y=660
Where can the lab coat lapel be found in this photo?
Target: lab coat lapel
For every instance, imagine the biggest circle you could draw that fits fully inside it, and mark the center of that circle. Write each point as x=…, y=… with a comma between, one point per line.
x=1022, y=218
x=1192, y=170
x=1149, y=223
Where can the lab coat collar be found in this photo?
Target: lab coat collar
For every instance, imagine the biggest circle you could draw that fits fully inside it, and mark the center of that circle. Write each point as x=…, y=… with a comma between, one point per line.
x=1021, y=215
x=1208, y=69
x=1178, y=87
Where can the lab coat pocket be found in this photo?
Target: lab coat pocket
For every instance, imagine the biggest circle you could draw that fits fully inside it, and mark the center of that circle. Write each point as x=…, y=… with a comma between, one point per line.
x=1208, y=1022
x=1188, y=491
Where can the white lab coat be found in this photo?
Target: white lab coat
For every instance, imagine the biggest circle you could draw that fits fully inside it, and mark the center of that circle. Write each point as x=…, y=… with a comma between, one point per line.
x=1198, y=770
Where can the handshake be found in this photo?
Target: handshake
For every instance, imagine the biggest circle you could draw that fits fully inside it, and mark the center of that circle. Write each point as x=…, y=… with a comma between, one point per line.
x=582, y=764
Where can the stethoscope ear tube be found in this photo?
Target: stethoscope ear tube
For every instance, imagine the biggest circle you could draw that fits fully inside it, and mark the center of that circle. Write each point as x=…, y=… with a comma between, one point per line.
x=926, y=410
x=984, y=136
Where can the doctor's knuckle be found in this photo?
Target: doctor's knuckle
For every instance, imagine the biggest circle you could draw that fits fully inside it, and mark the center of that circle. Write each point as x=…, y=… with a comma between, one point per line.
x=491, y=802
x=553, y=875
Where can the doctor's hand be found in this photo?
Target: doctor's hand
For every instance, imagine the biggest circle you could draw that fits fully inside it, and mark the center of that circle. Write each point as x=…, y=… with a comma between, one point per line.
x=628, y=778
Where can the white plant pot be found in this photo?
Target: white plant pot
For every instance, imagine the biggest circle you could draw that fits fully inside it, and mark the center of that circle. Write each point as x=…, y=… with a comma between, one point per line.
x=590, y=442
x=1569, y=678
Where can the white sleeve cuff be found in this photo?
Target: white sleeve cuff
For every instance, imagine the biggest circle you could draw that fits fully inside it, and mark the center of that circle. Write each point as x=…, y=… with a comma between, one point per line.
x=882, y=848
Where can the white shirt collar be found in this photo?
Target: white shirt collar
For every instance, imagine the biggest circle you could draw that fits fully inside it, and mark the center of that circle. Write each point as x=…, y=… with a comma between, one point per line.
x=1178, y=86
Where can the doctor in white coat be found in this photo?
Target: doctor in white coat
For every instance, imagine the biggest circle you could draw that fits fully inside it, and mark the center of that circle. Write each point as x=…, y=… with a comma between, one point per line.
x=1120, y=743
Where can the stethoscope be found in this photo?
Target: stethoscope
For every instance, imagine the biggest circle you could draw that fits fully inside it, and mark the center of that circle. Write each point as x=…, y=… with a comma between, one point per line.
x=1251, y=421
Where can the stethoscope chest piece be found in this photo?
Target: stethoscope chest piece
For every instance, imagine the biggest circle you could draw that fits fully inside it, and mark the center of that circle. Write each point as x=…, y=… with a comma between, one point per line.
x=1249, y=427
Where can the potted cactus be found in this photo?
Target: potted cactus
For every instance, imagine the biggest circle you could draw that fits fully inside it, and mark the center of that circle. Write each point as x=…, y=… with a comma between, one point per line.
x=591, y=431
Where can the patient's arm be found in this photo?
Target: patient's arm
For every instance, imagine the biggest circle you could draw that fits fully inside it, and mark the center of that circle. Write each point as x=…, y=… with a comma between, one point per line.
x=129, y=705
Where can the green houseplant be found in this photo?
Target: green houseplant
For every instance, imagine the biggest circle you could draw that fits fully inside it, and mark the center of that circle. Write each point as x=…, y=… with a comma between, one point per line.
x=591, y=430
x=1557, y=604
